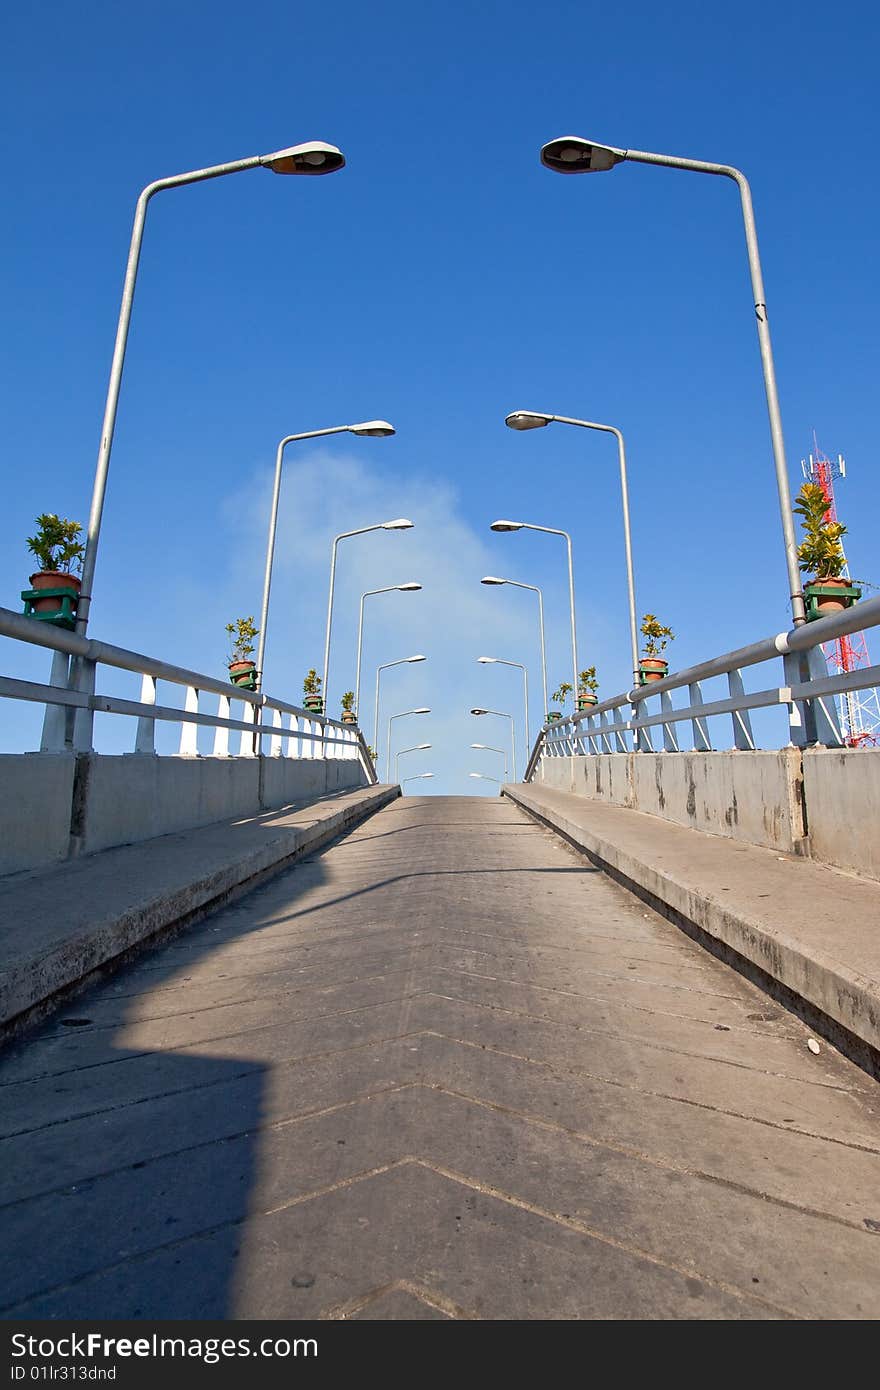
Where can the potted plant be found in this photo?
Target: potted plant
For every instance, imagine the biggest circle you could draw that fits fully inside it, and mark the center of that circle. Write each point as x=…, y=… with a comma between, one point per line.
x=587, y=687
x=242, y=671
x=652, y=666
x=559, y=697
x=313, y=699
x=348, y=714
x=54, y=590
x=821, y=555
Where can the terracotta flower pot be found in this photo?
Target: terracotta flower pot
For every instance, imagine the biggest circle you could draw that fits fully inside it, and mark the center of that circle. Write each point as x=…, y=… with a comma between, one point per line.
x=53, y=579
x=653, y=668
x=829, y=594
x=314, y=703
x=586, y=699
x=553, y=715
x=349, y=716
x=243, y=673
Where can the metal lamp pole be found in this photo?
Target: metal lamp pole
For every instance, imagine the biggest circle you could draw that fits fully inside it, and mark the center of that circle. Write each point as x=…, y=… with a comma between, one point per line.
x=379, y=669
x=489, y=749
x=390, y=588
x=499, y=661
x=402, y=715
x=493, y=579
x=376, y=429
x=315, y=157
x=400, y=524
x=416, y=748
x=573, y=155
x=551, y=531
x=502, y=715
x=416, y=777
x=529, y=420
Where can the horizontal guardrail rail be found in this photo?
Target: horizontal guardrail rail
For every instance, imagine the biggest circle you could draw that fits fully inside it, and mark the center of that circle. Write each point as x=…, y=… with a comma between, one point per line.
x=624, y=723
x=71, y=702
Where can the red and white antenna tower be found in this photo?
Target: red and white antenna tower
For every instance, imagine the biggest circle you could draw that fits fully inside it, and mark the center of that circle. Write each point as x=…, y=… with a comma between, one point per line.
x=859, y=710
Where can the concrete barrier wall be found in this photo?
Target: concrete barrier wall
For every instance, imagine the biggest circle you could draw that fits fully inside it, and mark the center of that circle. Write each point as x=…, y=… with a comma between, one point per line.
x=54, y=806
x=820, y=802
x=842, y=794
x=36, y=792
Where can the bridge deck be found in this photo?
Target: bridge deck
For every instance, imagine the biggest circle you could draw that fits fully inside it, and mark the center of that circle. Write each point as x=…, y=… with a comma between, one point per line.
x=442, y=1069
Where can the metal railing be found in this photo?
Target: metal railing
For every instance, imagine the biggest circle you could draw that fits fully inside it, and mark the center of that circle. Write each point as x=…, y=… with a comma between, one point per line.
x=807, y=692
x=71, y=702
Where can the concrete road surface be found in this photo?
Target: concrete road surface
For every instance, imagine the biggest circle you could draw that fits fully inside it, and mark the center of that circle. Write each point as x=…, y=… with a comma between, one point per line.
x=443, y=1069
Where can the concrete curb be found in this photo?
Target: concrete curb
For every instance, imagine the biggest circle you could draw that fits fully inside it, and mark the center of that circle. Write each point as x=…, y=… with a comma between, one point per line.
x=131, y=894
x=832, y=991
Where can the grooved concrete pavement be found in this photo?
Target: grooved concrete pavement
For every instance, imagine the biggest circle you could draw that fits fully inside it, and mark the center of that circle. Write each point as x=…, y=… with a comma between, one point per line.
x=442, y=1069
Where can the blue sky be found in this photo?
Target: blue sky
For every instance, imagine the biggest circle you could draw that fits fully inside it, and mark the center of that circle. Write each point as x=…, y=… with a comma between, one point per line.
x=441, y=280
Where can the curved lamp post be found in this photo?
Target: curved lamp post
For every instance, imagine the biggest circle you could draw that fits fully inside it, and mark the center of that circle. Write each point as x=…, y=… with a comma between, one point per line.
x=374, y=429
x=402, y=661
x=416, y=748
x=417, y=777
x=551, y=531
x=517, y=584
x=531, y=420
x=390, y=588
x=314, y=157
x=399, y=524
x=501, y=715
x=573, y=155
x=483, y=778
x=499, y=661
x=489, y=749
x=402, y=715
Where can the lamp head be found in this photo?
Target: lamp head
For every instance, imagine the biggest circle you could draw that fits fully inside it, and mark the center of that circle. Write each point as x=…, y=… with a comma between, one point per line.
x=572, y=155
x=526, y=420
x=487, y=660
x=374, y=429
x=475, y=774
x=314, y=157
x=416, y=658
x=492, y=579
x=409, y=588
x=399, y=524
x=506, y=526
x=479, y=711
x=423, y=745
x=479, y=745
x=423, y=710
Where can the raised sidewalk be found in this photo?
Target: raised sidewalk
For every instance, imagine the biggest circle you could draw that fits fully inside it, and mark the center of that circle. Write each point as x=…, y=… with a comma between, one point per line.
x=814, y=931
x=59, y=925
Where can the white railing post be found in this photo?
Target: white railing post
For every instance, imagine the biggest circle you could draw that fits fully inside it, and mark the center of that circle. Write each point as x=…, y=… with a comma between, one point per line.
x=291, y=744
x=670, y=742
x=189, y=732
x=145, y=737
x=276, y=742
x=54, y=733
x=221, y=735
x=742, y=724
x=83, y=680
x=248, y=738
x=824, y=709
x=699, y=726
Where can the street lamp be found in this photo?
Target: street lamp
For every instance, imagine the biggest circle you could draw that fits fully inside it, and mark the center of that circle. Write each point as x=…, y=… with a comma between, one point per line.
x=551, y=531
x=502, y=715
x=489, y=749
x=493, y=579
x=402, y=661
x=572, y=155
x=530, y=420
x=399, y=524
x=483, y=778
x=499, y=661
x=402, y=715
x=314, y=157
x=374, y=429
x=390, y=588
x=416, y=748
x=417, y=777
